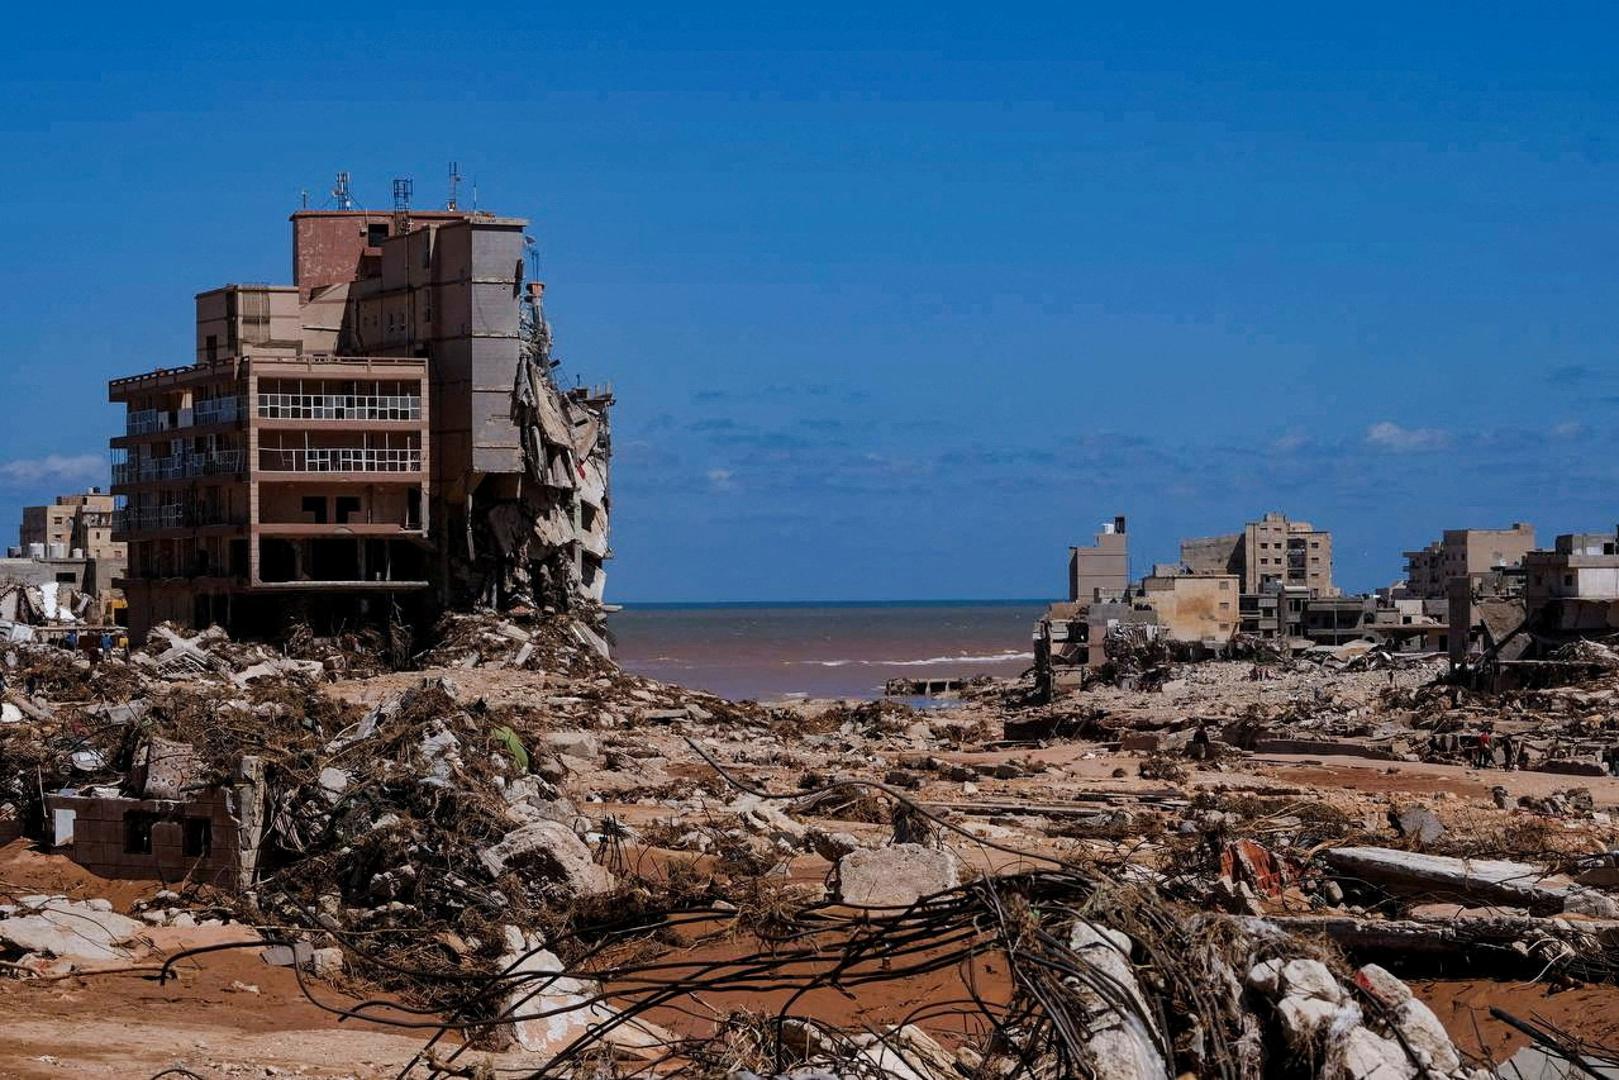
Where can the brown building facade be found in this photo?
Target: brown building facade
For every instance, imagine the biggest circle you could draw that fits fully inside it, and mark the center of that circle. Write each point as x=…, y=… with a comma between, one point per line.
x=1101, y=571
x=257, y=478
x=383, y=431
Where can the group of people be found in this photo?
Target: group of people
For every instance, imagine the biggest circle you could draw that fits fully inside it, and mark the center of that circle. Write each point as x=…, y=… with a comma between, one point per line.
x=1484, y=753
x=103, y=649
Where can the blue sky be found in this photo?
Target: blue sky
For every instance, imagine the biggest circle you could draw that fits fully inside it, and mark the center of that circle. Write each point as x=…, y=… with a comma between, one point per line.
x=898, y=303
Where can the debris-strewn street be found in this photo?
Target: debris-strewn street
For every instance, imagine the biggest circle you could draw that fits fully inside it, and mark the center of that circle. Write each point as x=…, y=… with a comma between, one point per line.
x=516, y=857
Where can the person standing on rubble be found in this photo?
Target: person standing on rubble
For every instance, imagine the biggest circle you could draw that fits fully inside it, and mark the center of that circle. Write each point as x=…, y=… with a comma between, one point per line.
x=71, y=641
x=1484, y=757
x=1200, y=743
x=1509, y=749
x=106, y=645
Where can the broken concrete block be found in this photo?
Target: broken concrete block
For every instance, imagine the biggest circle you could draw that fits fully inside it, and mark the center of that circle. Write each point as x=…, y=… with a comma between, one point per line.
x=1598, y=905
x=326, y=963
x=552, y=850
x=1305, y=1018
x=1489, y=880
x=895, y=876
x=299, y=952
x=1418, y=823
x=550, y=1010
x=579, y=744
x=1427, y=1037
x=1363, y=1054
x=333, y=782
x=171, y=768
x=1310, y=978
x=1266, y=977
x=1121, y=1043
x=69, y=929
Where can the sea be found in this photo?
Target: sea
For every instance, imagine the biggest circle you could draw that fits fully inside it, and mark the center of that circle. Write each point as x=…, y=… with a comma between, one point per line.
x=777, y=651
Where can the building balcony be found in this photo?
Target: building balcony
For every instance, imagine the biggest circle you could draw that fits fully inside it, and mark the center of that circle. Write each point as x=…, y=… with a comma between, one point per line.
x=351, y=407
x=222, y=410
x=345, y=459
x=178, y=467
x=173, y=516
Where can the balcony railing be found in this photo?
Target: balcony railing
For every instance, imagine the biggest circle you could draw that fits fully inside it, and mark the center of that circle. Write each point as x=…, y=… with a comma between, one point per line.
x=172, y=516
x=146, y=421
x=224, y=410
x=178, y=466
x=340, y=459
x=340, y=406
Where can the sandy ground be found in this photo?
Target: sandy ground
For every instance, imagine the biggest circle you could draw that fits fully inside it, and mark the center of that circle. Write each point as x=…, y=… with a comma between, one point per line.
x=228, y=1014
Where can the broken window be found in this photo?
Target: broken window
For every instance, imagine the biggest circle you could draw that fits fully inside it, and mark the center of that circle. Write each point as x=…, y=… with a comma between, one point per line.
x=315, y=505
x=347, y=505
x=138, y=832
x=376, y=233
x=198, y=839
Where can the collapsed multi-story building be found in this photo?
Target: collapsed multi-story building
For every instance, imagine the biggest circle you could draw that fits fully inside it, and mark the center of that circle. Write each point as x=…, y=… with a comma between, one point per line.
x=380, y=438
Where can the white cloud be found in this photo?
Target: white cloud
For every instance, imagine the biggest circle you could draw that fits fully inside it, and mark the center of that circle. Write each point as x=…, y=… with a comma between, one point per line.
x=1387, y=435
x=1569, y=429
x=54, y=468
x=721, y=480
x=1289, y=442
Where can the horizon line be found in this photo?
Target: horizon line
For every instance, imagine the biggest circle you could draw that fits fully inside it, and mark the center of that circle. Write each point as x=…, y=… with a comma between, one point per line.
x=1009, y=600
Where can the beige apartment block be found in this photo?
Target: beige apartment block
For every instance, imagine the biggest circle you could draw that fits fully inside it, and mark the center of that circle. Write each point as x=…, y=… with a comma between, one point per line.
x=79, y=522
x=1270, y=554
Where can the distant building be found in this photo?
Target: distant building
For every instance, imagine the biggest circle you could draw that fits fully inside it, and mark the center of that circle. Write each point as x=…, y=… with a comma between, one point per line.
x=1270, y=551
x=1583, y=566
x=1101, y=571
x=1193, y=608
x=1465, y=553
x=81, y=522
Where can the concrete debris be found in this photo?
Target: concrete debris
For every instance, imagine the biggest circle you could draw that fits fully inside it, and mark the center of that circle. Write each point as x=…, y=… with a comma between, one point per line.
x=551, y=852
x=1121, y=1044
x=896, y=876
x=1236, y=824
x=1497, y=881
x=70, y=929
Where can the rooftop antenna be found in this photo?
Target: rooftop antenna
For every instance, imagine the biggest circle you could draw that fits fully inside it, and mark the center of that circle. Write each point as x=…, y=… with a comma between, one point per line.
x=474, y=193
x=402, y=191
x=341, y=192
x=455, y=185
x=303, y=198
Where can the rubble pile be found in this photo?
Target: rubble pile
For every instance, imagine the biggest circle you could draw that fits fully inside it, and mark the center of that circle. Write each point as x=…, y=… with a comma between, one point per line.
x=519, y=638
x=1240, y=874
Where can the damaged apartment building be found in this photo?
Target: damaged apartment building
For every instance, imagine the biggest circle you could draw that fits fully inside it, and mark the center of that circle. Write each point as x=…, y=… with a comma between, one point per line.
x=1532, y=607
x=379, y=439
x=1270, y=582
